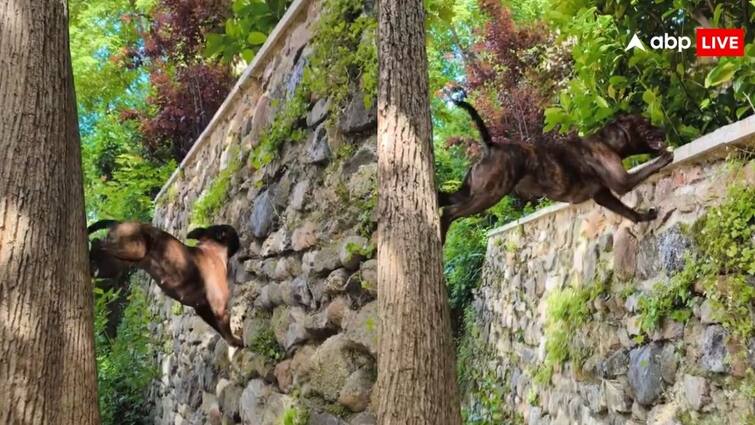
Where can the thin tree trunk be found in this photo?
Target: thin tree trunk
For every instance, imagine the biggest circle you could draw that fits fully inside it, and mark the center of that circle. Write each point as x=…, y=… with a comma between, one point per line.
x=47, y=364
x=416, y=370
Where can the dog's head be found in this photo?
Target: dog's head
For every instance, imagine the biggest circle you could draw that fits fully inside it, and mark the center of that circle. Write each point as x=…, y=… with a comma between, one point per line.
x=640, y=136
x=221, y=233
x=453, y=93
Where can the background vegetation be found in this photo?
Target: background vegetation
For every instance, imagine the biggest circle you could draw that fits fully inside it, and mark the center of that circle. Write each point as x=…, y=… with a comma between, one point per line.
x=151, y=73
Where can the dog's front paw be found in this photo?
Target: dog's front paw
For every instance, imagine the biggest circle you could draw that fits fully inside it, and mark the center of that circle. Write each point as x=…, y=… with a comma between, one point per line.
x=667, y=157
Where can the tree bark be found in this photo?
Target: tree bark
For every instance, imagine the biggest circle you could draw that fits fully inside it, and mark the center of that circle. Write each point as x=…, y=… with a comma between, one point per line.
x=416, y=369
x=47, y=366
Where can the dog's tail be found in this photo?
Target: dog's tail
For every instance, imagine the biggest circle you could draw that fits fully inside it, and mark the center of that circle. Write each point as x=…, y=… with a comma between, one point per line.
x=481, y=127
x=102, y=224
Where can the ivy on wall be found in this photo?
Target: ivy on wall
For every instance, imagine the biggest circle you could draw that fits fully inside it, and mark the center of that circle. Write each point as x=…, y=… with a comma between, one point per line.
x=344, y=56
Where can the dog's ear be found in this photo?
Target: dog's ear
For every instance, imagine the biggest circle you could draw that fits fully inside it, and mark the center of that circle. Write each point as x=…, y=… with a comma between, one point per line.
x=224, y=234
x=198, y=233
x=229, y=237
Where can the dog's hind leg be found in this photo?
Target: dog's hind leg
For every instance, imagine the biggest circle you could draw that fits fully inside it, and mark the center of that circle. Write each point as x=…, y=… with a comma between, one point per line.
x=102, y=265
x=444, y=198
x=467, y=205
x=448, y=198
x=621, y=182
x=607, y=199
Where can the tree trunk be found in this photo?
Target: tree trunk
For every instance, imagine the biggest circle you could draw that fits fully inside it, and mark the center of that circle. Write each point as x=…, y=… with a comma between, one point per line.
x=416, y=370
x=47, y=371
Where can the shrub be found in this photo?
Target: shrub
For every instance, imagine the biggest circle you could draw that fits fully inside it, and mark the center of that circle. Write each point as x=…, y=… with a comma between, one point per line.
x=126, y=364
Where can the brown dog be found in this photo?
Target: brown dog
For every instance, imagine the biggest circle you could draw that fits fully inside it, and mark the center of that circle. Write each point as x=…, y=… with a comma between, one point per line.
x=193, y=276
x=571, y=171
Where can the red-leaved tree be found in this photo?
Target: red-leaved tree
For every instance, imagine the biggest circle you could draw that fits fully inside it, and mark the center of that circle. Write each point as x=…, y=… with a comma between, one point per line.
x=187, y=89
x=511, y=74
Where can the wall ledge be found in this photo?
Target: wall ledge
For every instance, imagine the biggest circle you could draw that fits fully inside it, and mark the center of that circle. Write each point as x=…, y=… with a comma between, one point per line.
x=716, y=143
x=257, y=64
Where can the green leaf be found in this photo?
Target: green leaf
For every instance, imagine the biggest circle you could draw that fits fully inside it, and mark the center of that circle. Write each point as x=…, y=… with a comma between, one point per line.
x=213, y=45
x=688, y=131
x=237, y=6
x=618, y=81
x=720, y=74
x=648, y=96
x=247, y=55
x=601, y=102
x=231, y=28
x=717, y=15
x=256, y=38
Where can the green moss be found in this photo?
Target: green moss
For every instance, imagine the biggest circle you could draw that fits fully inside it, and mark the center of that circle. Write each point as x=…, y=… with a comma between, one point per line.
x=170, y=196
x=366, y=251
x=286, y=127
x=533, y=397
x=511, y=247
x=336, y=409
x=726, y=256
x=216, y=194
x=264, y=343
x=346, y=150
x=295, y=415
x=370, y=324
x=366, y=207
x=177, y=308
x=484, y=393
x=343, y=52
x=568, y=310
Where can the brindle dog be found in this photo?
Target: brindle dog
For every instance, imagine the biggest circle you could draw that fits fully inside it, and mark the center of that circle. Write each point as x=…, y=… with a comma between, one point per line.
x=193, y=276
x=571, y=171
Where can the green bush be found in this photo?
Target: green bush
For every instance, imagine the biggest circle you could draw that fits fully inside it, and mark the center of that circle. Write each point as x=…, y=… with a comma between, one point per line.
x=126, y=364
x=689, y=96
x=725, y=239
x=464, y=250
x=246, y=30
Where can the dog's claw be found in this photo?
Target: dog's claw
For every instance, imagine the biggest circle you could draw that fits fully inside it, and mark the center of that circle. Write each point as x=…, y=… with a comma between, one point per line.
x=666, y=158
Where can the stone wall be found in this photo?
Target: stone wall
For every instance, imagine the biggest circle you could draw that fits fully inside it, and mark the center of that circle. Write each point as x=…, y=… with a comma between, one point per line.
x=687, y=371
x=304, y=281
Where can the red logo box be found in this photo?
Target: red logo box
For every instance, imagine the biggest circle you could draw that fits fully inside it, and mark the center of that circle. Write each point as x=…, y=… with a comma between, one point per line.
x=720, y=42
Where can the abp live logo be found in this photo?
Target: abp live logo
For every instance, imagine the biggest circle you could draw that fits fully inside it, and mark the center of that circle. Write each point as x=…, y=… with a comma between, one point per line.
x=709, y=42
x=720, y=42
